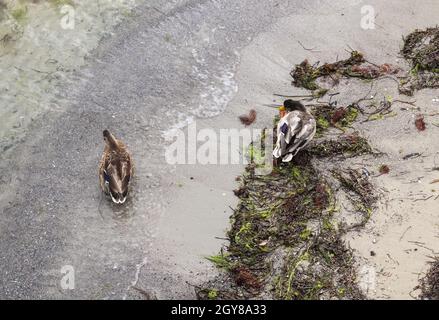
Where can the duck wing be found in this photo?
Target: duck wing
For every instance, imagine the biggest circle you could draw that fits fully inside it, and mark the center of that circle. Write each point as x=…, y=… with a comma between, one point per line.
x=302, y=139
x=287, y=128
x=103, y=175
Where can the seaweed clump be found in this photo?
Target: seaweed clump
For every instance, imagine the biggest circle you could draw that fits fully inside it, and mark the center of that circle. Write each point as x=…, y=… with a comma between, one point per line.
x=429, y=284
x=348, y=146
x=421, y=50
x=360, y=193
x=327, y=116
x=306, y=75
x=284, y=242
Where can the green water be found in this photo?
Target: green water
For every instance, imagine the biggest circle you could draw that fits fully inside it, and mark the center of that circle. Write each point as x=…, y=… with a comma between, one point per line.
x=41, y=43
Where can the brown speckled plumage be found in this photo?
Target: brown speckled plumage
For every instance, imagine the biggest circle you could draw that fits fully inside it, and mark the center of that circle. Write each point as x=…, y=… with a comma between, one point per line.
x=115, y=168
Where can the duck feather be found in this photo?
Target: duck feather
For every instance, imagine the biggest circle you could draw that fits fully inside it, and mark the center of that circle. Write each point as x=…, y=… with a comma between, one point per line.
x=115, y=169
x=294, y=131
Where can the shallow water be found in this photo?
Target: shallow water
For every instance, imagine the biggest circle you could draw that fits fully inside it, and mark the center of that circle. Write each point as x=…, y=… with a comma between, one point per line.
x=41, y=43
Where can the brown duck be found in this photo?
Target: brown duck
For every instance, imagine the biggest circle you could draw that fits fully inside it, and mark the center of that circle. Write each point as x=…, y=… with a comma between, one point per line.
x=115, y=169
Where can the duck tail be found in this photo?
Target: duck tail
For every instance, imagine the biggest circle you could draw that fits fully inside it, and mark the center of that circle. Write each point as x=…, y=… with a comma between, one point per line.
x=111, y=140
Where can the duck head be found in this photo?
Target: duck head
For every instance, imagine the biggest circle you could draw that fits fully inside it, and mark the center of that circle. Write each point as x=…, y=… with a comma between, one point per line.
x=292, y=105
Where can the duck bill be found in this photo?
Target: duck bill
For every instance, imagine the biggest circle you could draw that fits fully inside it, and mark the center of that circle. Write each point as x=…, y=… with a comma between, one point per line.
x=282, y=111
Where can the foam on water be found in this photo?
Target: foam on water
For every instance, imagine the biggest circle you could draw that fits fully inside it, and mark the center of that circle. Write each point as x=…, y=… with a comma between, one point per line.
x=217, y=89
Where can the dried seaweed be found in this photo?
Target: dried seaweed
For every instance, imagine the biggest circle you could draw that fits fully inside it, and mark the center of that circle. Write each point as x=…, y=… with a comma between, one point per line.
x=248, y=119
x=350, y=145
x=284, y=242
x=429, y=284
x=420, y=123
x=322, y=270
x=277, y=214
x=360, y=191
x=384, y=169
x=306, y=75
x=421, y=48
x=327, y=116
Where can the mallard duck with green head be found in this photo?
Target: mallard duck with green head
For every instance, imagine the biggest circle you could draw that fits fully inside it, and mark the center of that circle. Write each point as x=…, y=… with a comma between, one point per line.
x=295, y=130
